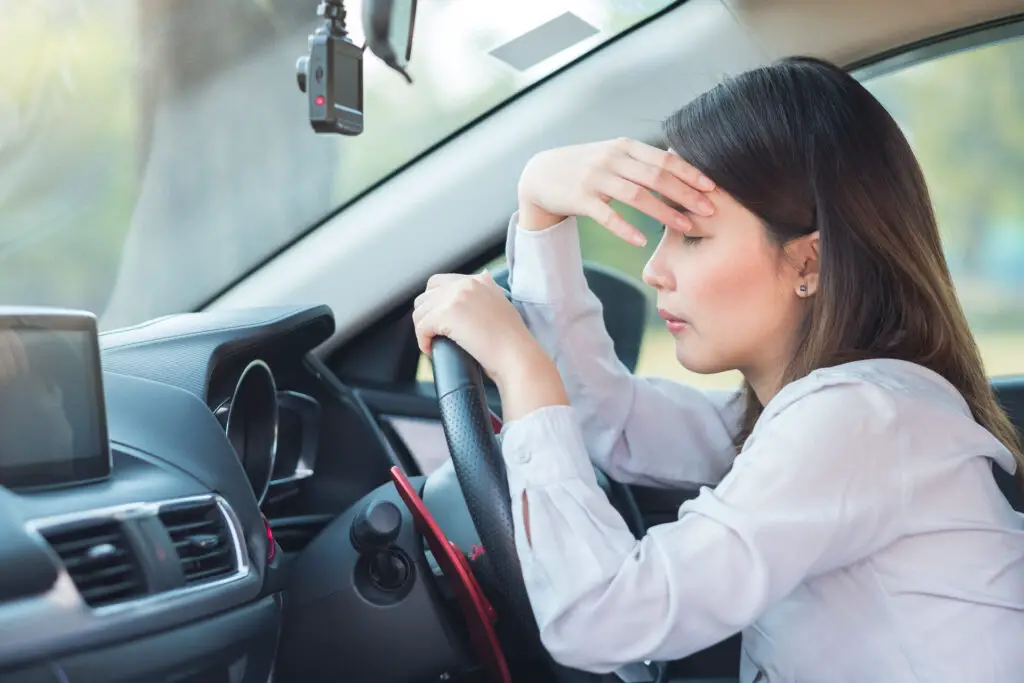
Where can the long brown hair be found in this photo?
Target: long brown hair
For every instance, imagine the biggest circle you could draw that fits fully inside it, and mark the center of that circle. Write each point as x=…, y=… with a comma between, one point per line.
x=805, y=147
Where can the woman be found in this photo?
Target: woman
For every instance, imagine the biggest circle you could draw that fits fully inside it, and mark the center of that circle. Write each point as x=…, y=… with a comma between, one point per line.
x=858, y=534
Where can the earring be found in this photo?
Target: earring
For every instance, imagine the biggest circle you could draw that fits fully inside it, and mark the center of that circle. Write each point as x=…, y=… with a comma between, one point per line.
x=803, y=290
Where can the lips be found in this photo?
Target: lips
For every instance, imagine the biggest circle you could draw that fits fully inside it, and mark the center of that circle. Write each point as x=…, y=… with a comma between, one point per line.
x=668, y=317
x=674, y=323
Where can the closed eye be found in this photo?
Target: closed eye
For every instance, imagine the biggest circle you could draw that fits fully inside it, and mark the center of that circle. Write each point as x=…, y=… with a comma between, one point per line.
x=688, y=239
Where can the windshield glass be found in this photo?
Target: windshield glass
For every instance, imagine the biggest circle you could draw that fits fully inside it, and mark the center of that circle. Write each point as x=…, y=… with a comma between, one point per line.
x=154, y=151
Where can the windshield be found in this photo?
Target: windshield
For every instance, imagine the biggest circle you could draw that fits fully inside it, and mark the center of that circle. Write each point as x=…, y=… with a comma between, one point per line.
x=154, y=151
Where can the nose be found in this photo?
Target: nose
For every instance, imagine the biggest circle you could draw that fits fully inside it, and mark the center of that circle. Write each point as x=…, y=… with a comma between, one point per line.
x=657, y=274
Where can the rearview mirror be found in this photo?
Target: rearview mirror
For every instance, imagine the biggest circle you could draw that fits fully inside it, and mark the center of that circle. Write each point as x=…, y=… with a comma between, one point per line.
x=388, y=27
x=624, y=304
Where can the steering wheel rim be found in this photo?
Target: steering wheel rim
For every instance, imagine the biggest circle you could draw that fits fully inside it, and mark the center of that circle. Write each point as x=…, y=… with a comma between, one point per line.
x=480, y=470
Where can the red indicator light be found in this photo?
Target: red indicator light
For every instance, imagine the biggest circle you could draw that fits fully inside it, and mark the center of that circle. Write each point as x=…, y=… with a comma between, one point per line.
x=319, y=100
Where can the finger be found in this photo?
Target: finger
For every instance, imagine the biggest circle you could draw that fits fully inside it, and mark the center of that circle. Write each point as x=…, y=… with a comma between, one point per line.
x=670, y=187
x=442, y=279
x=643, y=200
x=614, y=223
x=423, y=297
x=425, y=303
x=671, y=162
x=486, y=278
x=418, y=313
x=422, y=333
x=423, y=340
x=429, y=327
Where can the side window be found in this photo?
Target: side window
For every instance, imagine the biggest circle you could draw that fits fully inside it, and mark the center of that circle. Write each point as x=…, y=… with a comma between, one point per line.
x=964, y=116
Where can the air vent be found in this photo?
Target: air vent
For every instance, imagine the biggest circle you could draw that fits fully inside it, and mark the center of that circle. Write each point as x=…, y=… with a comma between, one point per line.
x=99, y=560
x=201, y=537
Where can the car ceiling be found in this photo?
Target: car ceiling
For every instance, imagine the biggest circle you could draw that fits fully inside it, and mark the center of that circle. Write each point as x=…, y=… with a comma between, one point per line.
x=454, y=202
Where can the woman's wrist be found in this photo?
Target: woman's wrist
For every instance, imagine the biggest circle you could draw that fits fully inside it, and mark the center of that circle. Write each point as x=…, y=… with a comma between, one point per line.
x=534, y=218
x=529, y=381
x=531, y=215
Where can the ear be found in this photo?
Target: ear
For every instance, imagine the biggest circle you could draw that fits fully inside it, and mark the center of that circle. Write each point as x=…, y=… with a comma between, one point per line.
x=803, y=254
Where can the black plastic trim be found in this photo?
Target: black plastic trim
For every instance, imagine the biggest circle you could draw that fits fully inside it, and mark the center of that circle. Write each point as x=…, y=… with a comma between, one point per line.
x=207, y=648
x=353, y=398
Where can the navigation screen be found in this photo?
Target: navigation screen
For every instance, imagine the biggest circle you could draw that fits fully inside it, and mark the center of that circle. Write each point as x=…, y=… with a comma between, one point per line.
x=52, y=419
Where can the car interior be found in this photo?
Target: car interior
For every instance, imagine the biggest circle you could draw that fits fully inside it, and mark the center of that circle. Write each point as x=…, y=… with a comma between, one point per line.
x=293, y=493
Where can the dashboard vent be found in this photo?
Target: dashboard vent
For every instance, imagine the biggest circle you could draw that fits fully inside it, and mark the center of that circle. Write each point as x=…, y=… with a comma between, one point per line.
x=201, y=538
x=99, y=560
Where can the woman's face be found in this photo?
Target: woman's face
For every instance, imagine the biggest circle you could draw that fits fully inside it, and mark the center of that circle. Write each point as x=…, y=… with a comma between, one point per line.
x=733, y=298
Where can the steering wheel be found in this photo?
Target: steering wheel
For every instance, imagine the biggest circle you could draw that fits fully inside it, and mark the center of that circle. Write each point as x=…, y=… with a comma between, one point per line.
x=476, y=458
x=480, y=470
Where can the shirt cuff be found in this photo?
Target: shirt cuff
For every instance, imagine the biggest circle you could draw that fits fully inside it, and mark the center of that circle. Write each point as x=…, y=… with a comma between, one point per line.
x=546, y=447
x=545, y=266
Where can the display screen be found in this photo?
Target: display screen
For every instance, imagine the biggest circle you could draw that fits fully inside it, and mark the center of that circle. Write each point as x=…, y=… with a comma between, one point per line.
x=52, y=419
x=348, y=79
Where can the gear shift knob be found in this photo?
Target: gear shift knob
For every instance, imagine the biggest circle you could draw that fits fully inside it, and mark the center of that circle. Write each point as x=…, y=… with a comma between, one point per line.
x=376, y=526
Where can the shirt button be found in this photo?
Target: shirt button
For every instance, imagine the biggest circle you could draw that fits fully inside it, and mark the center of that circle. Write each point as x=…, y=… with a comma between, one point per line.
x=523, y=456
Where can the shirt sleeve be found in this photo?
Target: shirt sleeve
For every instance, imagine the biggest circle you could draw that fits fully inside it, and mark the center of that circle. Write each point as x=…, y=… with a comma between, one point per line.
x=633, y=428
x=815, y=489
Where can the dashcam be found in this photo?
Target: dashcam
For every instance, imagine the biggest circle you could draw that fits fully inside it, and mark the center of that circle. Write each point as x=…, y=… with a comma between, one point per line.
x=331, y=75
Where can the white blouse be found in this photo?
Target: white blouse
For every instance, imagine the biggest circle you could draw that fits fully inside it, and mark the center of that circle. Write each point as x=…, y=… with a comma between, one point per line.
x=859, y=536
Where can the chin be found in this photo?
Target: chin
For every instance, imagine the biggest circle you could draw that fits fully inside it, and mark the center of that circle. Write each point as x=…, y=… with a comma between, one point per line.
x=699, y=363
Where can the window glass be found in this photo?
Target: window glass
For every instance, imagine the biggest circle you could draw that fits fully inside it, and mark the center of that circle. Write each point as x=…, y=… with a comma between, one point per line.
x=964, y=116
x=154, y=151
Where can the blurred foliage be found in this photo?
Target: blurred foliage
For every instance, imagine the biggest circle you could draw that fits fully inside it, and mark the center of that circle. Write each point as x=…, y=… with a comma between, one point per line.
x=67, y=178
x=964, y=116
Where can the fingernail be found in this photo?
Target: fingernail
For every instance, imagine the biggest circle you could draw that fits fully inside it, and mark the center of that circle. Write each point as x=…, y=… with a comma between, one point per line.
x=705, y=206
x=705, y=183
x=639, y=240
x=683, y=223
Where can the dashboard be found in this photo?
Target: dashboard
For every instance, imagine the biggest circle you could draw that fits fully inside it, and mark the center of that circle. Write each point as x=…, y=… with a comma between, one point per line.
x=250, y=529
x=168, y=569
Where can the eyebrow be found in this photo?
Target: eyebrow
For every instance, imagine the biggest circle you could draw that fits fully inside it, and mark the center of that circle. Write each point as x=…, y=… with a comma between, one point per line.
x=673, y=205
